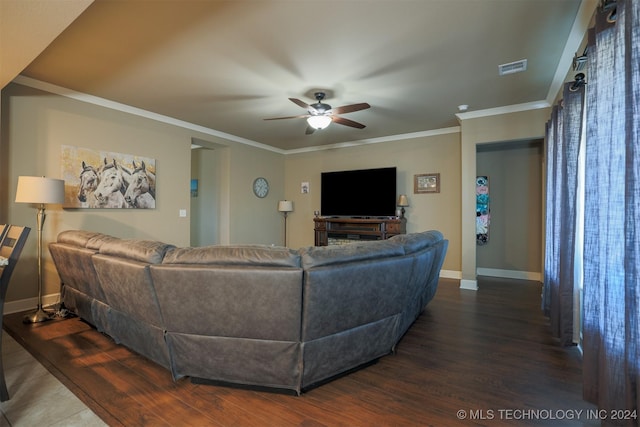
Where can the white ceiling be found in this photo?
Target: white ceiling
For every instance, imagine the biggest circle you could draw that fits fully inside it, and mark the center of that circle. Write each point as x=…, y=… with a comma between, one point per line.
x=227, y=65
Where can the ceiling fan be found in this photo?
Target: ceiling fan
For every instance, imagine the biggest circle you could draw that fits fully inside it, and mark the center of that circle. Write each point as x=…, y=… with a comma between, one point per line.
x=320, y=115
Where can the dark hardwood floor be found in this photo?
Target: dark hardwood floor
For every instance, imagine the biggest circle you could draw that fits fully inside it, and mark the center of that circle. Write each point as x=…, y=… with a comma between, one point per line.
x=472, y=358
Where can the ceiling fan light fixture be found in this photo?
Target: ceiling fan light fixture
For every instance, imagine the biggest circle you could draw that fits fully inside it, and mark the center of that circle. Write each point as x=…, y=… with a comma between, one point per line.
x=320, y=115
x=319, y=122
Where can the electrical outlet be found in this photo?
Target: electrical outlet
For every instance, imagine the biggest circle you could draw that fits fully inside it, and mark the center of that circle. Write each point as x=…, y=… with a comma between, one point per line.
x=182, y=213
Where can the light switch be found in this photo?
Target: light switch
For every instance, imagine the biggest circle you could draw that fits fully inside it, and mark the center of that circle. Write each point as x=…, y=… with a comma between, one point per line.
x=183, y=213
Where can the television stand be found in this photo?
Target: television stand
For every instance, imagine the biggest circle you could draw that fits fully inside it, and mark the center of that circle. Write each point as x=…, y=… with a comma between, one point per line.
x=352, y=229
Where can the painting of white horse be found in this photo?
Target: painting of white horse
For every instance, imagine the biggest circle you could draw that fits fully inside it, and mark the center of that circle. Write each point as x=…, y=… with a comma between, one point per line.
x=88, y=182
x=142, y=188
x=109, y=193
x=107, y=180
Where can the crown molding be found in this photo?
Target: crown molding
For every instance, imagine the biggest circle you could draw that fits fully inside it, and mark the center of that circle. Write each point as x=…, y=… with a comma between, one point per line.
x=515, y=108
x=102, y=102
x=390, y=138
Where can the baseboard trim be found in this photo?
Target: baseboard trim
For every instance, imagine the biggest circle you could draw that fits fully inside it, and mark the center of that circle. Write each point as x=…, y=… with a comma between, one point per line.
x=450, y=274
x=30, y=303
x=471, y=285
x=510, y=274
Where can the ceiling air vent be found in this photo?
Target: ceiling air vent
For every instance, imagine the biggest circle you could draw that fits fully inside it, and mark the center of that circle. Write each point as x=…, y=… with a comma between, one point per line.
x=512, y=67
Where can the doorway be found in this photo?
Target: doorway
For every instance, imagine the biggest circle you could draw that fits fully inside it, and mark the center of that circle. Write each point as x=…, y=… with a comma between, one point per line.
x=209, y=195
x=513, y=248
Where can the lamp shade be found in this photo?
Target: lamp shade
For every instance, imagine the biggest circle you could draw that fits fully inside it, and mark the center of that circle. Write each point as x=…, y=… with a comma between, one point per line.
x=285, y=206
x=319, y=122
x=403, y=200
x=38, y=189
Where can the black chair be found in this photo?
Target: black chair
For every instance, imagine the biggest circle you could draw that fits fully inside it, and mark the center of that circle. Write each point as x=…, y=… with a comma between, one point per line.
x=11, y=244
x=3, y=229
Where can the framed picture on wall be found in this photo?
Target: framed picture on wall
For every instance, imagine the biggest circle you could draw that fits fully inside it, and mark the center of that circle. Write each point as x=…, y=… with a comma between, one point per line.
x=426, y=183
x=102, y=179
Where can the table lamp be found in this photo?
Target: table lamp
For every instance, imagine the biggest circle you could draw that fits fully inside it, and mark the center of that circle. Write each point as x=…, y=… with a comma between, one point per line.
x=403, y=201
x=285, y=206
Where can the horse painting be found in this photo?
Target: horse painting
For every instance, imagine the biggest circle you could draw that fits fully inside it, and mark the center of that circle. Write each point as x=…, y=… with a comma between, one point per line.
x=109, y=193
x=141, y=190
x=88, y=183
x=151, y=177
x=100, y=179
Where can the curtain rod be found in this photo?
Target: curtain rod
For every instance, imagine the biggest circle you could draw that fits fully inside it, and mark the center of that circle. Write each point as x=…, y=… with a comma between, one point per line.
x=580, y=61
x=611, y=7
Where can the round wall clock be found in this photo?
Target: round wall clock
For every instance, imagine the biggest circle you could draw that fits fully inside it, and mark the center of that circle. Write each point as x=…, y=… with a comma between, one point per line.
x=260, y=187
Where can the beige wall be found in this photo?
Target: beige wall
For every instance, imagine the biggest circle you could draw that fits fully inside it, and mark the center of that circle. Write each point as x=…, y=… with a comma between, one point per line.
x=256, y=220
x=438, y=153
x=36, y=124
x=515, y=187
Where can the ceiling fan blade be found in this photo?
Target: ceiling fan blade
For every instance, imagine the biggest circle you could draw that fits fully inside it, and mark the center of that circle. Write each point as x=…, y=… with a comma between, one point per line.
x=288, y=117
x=299, y=103
x=347, y=122
x=309, y=130
x=351, y=108
x=309, y=108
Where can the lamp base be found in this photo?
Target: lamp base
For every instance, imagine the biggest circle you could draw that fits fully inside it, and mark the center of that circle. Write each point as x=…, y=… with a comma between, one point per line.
x=37, y=316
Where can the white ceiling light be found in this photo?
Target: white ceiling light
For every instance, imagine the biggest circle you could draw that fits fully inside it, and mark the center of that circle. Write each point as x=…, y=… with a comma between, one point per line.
x=319, y=122
x=320, y=115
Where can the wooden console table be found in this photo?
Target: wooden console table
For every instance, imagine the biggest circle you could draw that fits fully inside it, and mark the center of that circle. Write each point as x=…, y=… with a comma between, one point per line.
x=357, y=228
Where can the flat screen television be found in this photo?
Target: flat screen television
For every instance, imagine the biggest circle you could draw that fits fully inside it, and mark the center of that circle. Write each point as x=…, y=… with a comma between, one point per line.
x=358, y=193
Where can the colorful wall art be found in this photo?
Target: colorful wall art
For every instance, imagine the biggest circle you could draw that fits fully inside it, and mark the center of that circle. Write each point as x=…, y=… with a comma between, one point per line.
x=483, y=215
x=103, y=179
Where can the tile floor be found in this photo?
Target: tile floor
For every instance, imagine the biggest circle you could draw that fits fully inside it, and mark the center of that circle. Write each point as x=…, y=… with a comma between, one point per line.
x=36, y=396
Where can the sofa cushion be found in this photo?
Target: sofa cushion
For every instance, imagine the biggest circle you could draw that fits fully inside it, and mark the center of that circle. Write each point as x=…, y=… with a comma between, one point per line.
x=275, y=256
x=415, y=242
x=149, y=251
x=97, y=241
x=315, y=256
x=76, y=237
